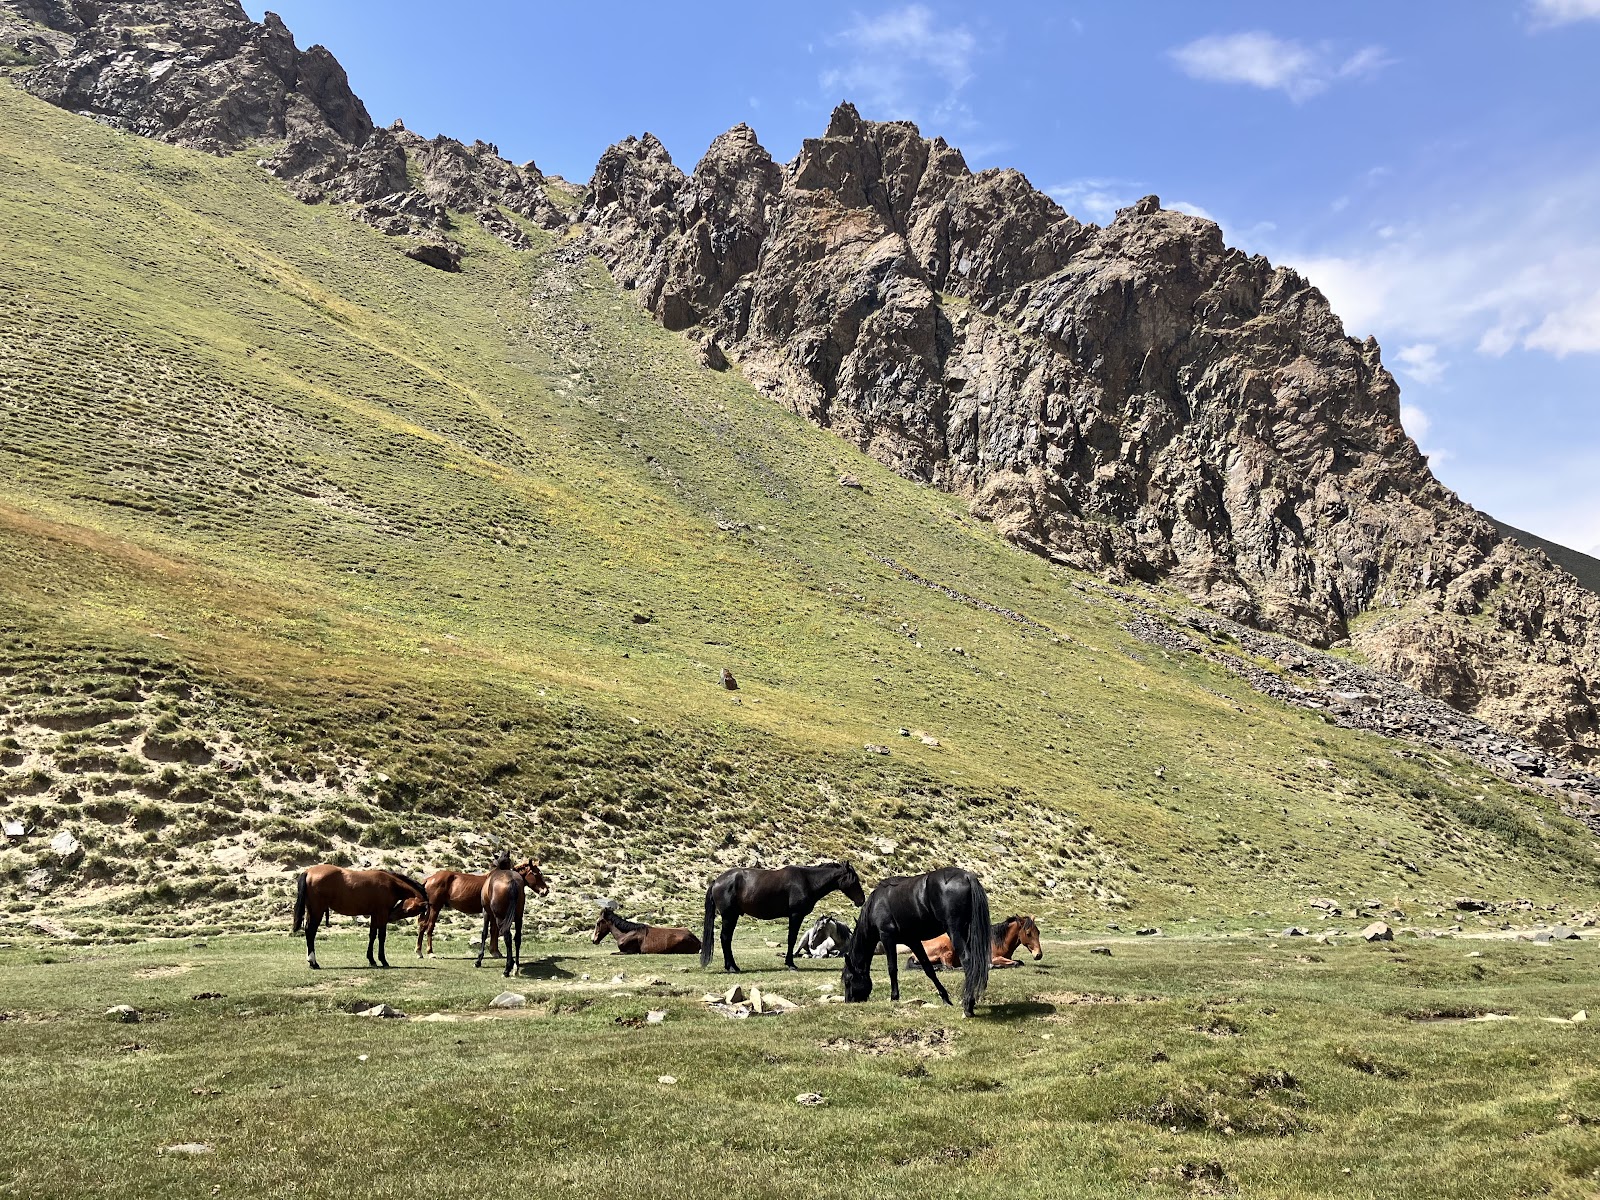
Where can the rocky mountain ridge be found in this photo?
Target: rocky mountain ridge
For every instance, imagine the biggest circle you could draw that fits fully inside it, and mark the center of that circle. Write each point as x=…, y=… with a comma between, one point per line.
x=1140, y=400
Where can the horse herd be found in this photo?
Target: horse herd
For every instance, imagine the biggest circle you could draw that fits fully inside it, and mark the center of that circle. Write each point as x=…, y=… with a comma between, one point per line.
x=942, y=916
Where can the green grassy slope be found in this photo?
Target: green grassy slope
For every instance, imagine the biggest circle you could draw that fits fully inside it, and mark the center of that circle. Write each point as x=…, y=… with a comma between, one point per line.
x=312, y=551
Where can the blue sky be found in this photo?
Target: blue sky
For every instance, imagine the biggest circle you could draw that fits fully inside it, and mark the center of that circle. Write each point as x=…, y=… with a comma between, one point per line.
x=1433, y=165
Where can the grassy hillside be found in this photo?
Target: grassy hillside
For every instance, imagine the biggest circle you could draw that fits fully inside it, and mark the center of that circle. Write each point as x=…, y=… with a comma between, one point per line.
x=315, y=552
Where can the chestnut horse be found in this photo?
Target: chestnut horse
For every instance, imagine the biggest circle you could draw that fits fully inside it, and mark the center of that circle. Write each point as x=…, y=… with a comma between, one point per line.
x=502, y=898
x=380, y=896
x=464, y=893
x=788, y=892
x=635, y=938
x=1006, y=937
x=914, y=908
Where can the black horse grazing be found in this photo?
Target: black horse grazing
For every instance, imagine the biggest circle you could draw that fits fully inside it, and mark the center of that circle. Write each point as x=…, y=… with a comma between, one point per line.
x=914, y=909
x=769, y=895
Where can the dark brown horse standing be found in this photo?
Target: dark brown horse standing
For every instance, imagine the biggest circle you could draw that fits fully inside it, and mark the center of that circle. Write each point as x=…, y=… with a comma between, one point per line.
x=1014, y=931
x=463, y=892
x=913, y=909
x=636, y=938
x=790, y=892
x=502, y=899
x=380, y=896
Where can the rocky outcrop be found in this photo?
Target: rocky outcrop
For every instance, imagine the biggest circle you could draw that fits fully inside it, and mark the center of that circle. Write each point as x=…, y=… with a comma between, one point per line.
x=202, y=74
x=1140, y=399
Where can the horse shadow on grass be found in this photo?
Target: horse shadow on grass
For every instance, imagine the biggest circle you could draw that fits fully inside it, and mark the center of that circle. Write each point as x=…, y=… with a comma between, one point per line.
x=1021, y=1010
x=543, y=968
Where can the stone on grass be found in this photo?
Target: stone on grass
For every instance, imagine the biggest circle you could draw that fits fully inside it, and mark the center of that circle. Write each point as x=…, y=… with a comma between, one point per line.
x=734, y=995
x=666, y=1080
x=187, y=1148
x=1378, y=931
x=380, y=1010
x=849, y=481
x=509, y=1000
x=1294, y=931
x=64, y=845
x=810, y=1099
x=1106, y=950
x=1560, y=933
x=1146, y=931
x=655, y=1016
x=125, y=1013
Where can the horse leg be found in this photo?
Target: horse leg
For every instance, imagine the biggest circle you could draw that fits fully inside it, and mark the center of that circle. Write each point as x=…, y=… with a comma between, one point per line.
x=889, y=956
x=383, y=942
x=311, y=940
x=483, y=939
x=729, y=920
x=794, y=932
x=921, y=952
x=372, y=937
x=514, y=959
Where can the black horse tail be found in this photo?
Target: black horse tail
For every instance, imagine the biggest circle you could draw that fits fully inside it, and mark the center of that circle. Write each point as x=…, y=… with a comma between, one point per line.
x=299, y=902
x=711, y=927
x=975, y=947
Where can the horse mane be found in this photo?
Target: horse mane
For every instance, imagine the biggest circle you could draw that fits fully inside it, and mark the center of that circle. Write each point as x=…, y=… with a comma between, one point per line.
x=1000, y=927
x=620, y=922
x=409, y=882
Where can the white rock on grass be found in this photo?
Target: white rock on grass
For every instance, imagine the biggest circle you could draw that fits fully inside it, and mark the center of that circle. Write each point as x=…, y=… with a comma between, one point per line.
x=656, y=1015
x=125, y=1013
x=187, y=1148
x=380, y=1010
x=509, y=1000
x=666, y=1080
x=810, y=1099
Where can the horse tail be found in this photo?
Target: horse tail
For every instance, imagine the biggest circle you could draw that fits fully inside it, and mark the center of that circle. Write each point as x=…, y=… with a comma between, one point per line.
x=711, y=923
x=975, y=947
x=299, y=902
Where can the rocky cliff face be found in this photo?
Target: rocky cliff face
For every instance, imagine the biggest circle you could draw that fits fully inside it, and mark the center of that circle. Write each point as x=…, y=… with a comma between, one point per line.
x=202, y=74
x=1139, y=399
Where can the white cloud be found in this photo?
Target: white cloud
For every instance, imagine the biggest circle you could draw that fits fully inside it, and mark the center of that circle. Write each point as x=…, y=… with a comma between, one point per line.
x=903, y=63
x=1547, y=14
x=1420, y=361
x=1183, y=206
x=1095, y=200
x=1416, y=422
x=1516, y=267
x=1258, y=59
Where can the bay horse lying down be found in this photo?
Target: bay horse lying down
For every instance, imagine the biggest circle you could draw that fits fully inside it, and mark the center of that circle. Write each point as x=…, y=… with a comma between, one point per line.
x=1005, y=938
x=463, y=892
x=913, y=909
x=635, y=938
x=380, y=896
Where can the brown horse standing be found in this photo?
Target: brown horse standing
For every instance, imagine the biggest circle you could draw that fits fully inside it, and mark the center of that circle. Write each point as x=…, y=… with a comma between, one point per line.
x=464, y=893
x=380, y=896
x=1007, y=936
x=502, y=898
x=635, y=938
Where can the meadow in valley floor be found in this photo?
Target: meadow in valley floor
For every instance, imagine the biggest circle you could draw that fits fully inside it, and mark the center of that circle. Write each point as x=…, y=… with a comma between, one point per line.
x=1215, y=1065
